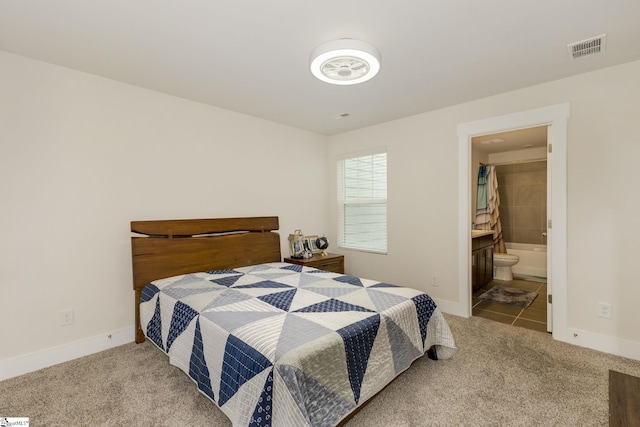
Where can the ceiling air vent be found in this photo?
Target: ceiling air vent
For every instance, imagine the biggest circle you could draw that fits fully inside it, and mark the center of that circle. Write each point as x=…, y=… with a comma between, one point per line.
x=587, y=47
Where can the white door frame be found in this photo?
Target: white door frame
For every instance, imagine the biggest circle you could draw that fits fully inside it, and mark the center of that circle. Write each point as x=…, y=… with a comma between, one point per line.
x=556, y=117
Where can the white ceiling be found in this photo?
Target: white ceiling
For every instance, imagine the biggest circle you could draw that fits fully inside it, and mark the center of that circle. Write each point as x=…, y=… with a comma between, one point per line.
x=515, y=140
x=251, y=56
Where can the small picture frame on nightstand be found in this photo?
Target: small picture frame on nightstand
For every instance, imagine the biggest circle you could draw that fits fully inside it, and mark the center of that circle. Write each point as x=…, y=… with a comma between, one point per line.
x=311, y=243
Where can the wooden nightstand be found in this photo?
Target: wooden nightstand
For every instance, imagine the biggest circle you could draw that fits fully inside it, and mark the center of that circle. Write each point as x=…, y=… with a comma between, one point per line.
x=329, y=262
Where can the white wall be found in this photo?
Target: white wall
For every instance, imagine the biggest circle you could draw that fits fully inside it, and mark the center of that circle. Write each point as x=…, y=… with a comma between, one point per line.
x=603, y=176
x=82, y=156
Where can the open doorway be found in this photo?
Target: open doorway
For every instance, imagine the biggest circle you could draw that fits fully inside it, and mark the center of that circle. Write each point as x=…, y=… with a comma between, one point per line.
x=555, y=117
x=516, y=163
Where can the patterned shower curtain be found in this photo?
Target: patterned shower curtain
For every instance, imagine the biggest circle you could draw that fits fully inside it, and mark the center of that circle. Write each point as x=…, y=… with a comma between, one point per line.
x=488, y=206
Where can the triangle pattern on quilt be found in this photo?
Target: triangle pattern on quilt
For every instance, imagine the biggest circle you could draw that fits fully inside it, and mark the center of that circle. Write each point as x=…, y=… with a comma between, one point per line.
x=300, y=280
x=202, y=300
x=232, y=320
x=185, y=279
x=322, y=405
x=251, y=304
x=251, y=269
x=403, y=350
x=358, y=340
x=154, y=327
x=224, y=271
x=385, y=300
x=304, y=298
x=241, y=363
x=226, y=280
x=197, y=282
x=258, y=292
x=297, y=331
x=331, y=306
x=281, y=300
x=228, y=297
x=324, y=273
x=247, y=279
x=424, y=309
x=263, y=334
x=335, y=322
x=198, y=369
x=384, y=285
x=326, y=282
x=180, y=292
x=352, y=280
x=182, y=316
x=148, y=292
x=264, y=284
x=263, y=411
x=360, y=297
x=274, y=275
x=332, y=292
x=293, y=267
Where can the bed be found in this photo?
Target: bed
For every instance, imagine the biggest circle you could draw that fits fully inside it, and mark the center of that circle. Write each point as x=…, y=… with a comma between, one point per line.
x=271, y=343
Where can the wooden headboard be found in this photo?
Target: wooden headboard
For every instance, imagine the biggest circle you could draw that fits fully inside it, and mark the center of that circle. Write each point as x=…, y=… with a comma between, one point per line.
x=173, y=247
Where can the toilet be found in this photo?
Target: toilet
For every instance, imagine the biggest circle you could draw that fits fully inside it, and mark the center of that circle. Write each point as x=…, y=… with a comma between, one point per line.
x=502, y=265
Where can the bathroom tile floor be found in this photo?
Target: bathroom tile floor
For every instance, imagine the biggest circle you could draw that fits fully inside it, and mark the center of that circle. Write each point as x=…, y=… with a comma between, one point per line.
x=533, y=317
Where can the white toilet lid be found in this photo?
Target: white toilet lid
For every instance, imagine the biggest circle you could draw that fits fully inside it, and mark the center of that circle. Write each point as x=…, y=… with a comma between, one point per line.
x=505, y=256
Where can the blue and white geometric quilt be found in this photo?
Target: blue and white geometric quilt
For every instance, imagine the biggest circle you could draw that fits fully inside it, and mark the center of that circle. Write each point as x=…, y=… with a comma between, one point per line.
x=286, y=345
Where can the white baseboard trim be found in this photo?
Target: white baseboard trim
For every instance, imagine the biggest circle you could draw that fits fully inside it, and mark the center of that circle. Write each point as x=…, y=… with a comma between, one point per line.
x=52, y=356
x=604, y=343
x=451, y=307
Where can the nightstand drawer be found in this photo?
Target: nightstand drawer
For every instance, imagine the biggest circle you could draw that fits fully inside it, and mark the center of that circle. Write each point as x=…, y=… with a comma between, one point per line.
x=329, y=262
x=335, y=265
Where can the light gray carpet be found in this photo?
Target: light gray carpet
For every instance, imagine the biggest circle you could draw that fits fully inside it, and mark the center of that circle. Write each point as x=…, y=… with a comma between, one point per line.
x=501, y=376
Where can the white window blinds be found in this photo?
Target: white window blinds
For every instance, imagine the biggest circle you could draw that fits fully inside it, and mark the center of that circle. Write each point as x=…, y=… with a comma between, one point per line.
x=362, y=202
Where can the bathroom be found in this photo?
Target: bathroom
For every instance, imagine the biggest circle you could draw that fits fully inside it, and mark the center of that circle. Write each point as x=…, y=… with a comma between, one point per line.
x=520, y=161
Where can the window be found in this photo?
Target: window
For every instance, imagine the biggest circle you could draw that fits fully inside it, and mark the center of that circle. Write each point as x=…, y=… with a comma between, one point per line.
x=362, y=201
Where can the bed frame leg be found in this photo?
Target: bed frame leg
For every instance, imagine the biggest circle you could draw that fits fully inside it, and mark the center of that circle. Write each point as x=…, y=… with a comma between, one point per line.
x=139, y=334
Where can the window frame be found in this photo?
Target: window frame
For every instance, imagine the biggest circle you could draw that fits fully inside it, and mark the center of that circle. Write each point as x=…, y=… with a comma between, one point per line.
x=343, y=202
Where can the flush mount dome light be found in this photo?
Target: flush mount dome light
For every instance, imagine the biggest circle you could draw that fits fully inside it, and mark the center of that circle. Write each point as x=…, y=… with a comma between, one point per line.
x=345, y=62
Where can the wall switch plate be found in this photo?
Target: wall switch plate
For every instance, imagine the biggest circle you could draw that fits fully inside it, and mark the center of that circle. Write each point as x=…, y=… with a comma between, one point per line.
x=435, y=281
x=604, y=310
x=66, y=317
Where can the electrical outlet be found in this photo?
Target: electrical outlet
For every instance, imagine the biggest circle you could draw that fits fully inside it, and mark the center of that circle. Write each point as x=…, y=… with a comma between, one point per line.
x=604, y=310
x=66, y=317
x=435, y=281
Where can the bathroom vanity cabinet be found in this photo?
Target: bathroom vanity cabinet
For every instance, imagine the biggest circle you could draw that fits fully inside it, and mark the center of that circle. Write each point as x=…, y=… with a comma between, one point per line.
x=481, y=261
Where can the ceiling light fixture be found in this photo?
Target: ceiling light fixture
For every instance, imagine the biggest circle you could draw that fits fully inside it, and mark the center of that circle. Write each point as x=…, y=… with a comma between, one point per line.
x=345, y=62
x=491, y=141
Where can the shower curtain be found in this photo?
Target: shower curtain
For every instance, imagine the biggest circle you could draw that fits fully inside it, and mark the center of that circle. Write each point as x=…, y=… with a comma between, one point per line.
x=488, y=206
